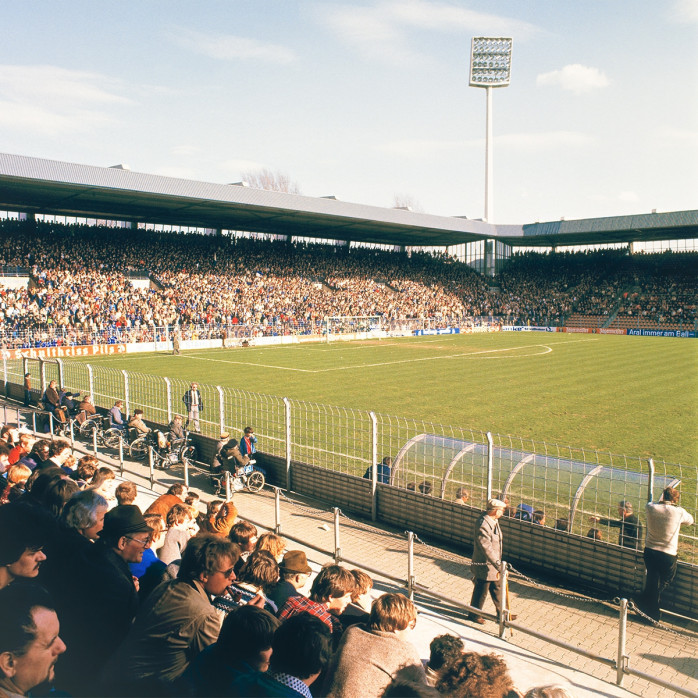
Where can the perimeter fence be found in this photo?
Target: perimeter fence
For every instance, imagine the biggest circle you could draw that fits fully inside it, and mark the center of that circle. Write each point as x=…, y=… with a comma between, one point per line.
x=568, y=485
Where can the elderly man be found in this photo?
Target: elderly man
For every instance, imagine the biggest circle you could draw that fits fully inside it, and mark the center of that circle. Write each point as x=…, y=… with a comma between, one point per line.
x=487, y=557
x=29, y=641
x=177, y=621
x=99, y=615
x=193, y=403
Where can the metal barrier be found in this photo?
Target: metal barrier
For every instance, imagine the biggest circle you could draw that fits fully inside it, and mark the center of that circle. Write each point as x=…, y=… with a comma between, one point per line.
x=410, y=582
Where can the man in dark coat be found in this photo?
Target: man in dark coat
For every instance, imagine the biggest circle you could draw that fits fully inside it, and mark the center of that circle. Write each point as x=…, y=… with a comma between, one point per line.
x=105, y=599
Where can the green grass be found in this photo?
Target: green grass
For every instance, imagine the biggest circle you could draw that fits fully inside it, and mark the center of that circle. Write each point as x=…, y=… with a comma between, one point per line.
x=628, y=395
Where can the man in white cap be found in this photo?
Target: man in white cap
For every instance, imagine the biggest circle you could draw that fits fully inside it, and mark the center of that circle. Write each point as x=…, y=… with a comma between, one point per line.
x=487, y=556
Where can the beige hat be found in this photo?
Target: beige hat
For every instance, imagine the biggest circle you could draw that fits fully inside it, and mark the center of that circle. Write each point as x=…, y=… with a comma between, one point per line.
x=495, y=504
x=225, y=435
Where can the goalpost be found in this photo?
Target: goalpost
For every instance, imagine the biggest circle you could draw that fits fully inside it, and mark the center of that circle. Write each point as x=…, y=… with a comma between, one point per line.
x=353, y=327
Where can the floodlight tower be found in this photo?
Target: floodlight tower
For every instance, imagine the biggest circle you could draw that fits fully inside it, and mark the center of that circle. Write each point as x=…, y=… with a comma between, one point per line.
x=490, y=66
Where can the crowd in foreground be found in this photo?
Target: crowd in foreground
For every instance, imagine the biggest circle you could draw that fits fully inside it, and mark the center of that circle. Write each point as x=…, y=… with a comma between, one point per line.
x=100, y=598
x=82, y=282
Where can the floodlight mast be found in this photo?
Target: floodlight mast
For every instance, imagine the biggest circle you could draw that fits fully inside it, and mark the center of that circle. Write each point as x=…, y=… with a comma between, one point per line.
x=490, y=66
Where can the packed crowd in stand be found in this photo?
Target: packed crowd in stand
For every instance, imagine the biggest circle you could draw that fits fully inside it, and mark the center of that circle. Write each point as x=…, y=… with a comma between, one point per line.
x=101, y=598
x=86, y=280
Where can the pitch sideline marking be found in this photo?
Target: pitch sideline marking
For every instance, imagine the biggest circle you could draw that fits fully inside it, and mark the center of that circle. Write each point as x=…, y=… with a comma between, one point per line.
x=548, y=350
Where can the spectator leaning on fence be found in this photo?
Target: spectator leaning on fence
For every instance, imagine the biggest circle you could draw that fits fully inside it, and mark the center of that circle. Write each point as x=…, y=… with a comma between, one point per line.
x=630, y=528
x=664, y=521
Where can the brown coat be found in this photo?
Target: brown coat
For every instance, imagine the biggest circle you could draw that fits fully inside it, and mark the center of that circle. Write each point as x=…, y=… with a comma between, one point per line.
x=163, y=504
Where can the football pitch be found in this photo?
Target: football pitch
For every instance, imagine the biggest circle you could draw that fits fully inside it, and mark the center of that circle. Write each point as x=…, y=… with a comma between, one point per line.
x=636, y=396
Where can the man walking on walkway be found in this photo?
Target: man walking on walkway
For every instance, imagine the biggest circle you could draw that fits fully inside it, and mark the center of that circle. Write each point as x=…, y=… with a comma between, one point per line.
x=664, y=520
x=487, y=558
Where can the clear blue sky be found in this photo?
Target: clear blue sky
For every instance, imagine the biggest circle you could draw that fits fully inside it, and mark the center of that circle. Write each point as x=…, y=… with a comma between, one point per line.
x=369, y=99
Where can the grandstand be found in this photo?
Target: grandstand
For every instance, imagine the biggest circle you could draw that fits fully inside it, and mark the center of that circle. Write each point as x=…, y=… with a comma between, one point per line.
x=253, y=268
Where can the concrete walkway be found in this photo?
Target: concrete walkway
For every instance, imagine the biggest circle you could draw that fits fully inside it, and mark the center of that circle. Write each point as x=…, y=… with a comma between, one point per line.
x=669, y=651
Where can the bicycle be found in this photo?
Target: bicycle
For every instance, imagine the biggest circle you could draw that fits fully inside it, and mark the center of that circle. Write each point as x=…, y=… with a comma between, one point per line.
x=109, y=437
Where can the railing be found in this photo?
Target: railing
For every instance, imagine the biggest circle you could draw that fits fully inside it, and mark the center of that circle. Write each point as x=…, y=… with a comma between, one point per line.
x=570, y=485
x=409, y=582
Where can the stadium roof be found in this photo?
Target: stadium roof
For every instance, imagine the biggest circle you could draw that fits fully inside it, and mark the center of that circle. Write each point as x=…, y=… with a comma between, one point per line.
x=36, y=185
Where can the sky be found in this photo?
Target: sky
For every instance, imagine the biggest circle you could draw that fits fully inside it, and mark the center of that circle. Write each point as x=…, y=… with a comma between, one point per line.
x=368, y=100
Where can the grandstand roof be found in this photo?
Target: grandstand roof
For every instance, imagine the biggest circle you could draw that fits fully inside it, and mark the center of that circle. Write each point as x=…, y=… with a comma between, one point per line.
x=60, y=188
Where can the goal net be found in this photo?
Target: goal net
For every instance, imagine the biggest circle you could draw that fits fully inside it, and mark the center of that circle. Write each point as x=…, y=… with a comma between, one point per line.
x=353, y=327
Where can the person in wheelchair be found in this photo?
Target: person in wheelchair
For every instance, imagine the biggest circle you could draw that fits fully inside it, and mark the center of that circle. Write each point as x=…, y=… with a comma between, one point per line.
x=233, y=461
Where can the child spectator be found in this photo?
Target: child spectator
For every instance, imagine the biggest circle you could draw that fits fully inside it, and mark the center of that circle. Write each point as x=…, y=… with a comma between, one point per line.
x=180, y=528
x=126, y=492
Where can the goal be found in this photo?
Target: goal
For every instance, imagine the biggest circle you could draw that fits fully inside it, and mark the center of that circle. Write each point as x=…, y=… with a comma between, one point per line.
x=348, y=327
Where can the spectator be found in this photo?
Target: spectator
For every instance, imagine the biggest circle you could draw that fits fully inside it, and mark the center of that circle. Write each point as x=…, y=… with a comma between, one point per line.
x=475, y=675
x=220, y=517
x=383, y=471
x=104, y=482
x=176, y=622
x=22, y=448
x=259, y=573
x=301, y=650
x=218, y=460
x=294, y=573
x=595, y=534
x=86, y=469
x=425, y=487
x=57, y=494
x=630, y=528
x=104, y=583
x=664, y=519
x=176, y=494
x=59, y=451
x=151, y=571
x=136, y=422
x=360, y=607
x=17, y=477
x=27, y=390
x=39, y=455
x=181, y=527
x=23, y=535
x=236, y=664
x=243, y=534
x=192, y=401
x=87, y=406
x=116, y=417
x=330, y=594
x=462, y=496
x=539, y=517
x=443, y=651
x=126, y=492
x=248, y=444
x=30, y=644
x=176, y=431
x=272, y=543
x=385, y=641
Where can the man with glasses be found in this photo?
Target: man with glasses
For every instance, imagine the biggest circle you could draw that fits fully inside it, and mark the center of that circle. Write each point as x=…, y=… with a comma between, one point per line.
x=176, y=622
x=97, y=616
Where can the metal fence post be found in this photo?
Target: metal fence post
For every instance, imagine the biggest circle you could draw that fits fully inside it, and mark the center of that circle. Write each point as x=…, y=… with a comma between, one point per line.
x=50, y=425
x=127, y=398
x=34, y=422
x=61, y=384
x=277, y=511
x=490, y=464
x=4, y=373
x=622, y=628
x=221, y=409
x=94, y=440
x=650, y=480
x=374, y=469
x=168, y=388
x=151, y=466
x=91, y=380
x=337, y=549
x=186, y=472
x=287, y=406
x=121, y=456
x=410, y=564
x=228, y=493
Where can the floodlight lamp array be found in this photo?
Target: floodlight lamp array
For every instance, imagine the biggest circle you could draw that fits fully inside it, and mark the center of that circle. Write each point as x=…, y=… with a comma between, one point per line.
x=490, y=62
